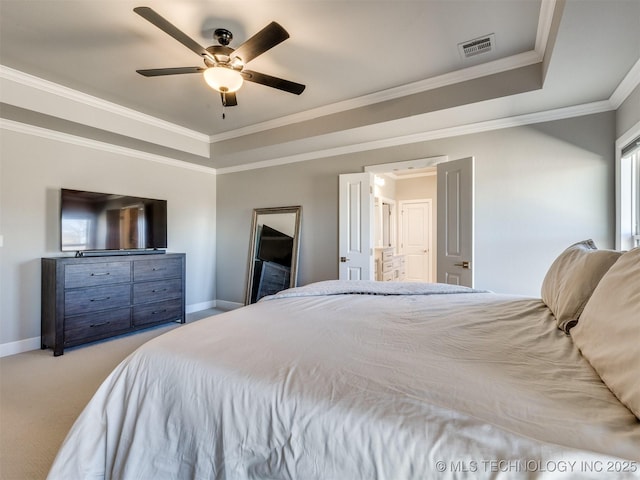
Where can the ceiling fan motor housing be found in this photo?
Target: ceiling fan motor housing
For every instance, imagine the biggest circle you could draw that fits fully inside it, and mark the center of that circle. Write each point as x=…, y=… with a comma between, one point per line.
x=221, y=53
x=223, y=36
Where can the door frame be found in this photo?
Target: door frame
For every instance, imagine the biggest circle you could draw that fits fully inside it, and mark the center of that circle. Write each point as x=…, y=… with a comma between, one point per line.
x=406, y=164
x=393, y=228
x=382, y=168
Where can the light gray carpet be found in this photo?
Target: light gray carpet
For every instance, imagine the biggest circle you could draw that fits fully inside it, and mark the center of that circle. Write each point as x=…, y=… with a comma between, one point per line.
x=42, y=395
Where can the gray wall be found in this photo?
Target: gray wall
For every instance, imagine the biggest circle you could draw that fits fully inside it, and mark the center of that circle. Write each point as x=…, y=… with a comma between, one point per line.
x=539, y=188
x=628, y=114
x=32, y=171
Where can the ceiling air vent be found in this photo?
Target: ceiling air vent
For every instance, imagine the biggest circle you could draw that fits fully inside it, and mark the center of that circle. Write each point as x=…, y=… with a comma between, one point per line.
x=477, y=46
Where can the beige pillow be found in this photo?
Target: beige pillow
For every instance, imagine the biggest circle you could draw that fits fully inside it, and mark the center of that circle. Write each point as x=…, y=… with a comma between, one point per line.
x=608, y=334
x=572, y=278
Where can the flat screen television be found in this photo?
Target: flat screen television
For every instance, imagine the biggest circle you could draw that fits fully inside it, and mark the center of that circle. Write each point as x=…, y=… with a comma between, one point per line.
x=95, y=222
x=275, y=246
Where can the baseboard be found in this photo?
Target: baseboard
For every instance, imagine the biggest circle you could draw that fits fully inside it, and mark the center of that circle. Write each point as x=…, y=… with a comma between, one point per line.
x=12, y=348
x=196, y=307
x=225, y=305
x=20, y=346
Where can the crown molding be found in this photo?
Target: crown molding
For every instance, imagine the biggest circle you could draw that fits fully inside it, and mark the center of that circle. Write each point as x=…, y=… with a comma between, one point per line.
x=464, y=129
x=547, y=8
x=497, y=66
x=19, y=127
x=95, y=102
x=388, y=169
x=525, y=59
x=626, y=86
x=478, y=127
x=490, y=68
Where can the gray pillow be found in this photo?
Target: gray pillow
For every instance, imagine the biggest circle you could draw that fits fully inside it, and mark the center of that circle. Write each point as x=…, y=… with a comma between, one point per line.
x=608, y=334
x=571, y=279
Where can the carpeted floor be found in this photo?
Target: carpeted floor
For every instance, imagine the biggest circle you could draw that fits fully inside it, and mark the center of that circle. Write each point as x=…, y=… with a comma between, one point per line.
x=42, y=395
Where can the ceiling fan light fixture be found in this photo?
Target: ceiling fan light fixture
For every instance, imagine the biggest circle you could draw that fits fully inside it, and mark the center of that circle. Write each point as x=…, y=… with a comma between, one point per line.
x=223, y=79
x=224, y=70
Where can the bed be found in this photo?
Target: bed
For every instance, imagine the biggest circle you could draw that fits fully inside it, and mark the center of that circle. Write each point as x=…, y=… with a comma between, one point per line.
x=372, y=380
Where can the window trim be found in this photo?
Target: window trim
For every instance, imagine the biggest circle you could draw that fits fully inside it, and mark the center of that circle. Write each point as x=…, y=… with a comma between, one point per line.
x=624, y=233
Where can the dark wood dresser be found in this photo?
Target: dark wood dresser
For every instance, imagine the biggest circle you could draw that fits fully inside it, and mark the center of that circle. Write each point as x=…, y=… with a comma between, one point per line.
x=91, y=298
x=273, y=279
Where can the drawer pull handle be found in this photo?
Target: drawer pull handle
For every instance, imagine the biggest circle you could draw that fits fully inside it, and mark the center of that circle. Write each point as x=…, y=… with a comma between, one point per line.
x=99, y=324
x=158, y=311
x=157, y=269
x=100, y=299
x=100, y=274
x=159, y=290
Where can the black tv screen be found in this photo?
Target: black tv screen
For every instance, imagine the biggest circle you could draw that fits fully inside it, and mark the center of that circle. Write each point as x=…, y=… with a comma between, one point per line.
x=104, y=221
x=275, y=246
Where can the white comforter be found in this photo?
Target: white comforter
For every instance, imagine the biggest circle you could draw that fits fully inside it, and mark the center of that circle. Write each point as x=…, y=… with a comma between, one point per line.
x=319, y=383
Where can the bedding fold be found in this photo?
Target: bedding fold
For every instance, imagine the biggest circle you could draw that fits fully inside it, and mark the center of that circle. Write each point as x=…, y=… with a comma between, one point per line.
x=337, y=386
x=369, y=287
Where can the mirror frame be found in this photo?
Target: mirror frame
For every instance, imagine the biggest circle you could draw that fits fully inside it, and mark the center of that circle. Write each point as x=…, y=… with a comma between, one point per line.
x=293, y=277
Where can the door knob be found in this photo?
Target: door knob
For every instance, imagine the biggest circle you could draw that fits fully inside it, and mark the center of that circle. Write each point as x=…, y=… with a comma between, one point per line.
x=464, y=264
x=344, y=259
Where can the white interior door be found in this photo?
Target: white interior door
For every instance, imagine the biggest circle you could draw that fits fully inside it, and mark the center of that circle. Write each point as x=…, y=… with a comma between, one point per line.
x=355, y=228
x=416, y=239
x=455, y=222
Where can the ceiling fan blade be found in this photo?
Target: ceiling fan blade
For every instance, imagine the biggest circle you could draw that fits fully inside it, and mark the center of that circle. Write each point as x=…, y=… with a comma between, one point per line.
x=168, y=28
x=228, y=99
x=267, y=38
x=156, y=72
x=274, y=82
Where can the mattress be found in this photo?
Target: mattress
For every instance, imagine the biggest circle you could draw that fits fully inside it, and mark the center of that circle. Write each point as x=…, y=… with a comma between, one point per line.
x=368, y=380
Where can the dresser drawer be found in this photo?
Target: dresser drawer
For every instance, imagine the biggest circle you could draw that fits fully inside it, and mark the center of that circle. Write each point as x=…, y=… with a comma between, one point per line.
x=83, y=300
x=157, y=312
x=387, y=254
x=273, y=279
x=81, y=327
x=92, y=298
x=156, y=291
x=156, y=269
x=387, y=266
x=90, y=274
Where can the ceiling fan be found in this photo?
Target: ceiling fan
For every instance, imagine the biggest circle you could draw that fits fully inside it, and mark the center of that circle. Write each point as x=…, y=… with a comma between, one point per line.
x=224, y=69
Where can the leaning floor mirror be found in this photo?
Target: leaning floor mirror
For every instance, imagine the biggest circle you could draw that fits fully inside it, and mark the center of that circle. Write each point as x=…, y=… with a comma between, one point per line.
x=273, y=251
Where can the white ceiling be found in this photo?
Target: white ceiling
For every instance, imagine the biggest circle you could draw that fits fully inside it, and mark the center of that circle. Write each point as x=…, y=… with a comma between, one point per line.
x=342, y=50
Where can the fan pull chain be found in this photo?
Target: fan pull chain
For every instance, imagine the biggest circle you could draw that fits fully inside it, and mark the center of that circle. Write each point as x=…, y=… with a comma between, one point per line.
x=223, y=95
